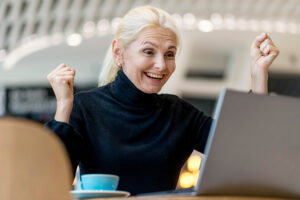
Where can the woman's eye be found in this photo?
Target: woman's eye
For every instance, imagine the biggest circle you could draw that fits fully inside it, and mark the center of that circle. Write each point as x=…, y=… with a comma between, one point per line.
x=170, y=54
x=148, y=52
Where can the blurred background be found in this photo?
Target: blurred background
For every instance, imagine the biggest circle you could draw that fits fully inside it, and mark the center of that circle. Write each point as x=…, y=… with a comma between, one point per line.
x=38, y=35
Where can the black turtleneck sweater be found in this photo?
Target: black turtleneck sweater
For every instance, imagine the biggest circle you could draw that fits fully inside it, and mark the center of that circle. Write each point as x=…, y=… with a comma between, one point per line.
x=143, y=138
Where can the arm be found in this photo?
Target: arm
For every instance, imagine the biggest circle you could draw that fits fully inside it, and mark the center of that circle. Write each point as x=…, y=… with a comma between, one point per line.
x=263, y=53
x=62, y=82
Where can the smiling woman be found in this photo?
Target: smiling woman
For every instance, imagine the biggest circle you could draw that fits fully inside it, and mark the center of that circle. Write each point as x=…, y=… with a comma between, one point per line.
x=149, y=60
x=124, y=127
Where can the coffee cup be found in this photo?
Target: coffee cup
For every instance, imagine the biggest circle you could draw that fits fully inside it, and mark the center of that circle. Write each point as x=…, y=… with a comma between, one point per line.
x=99, y=182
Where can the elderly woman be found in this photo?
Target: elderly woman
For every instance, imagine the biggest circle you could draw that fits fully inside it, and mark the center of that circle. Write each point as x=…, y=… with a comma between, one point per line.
x=124, y=127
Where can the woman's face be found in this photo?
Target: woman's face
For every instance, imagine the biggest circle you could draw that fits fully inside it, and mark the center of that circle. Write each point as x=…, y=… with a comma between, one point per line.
x=149, y=61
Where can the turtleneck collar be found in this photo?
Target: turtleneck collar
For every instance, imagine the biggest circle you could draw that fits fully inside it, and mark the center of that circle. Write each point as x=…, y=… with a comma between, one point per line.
x=126, y=92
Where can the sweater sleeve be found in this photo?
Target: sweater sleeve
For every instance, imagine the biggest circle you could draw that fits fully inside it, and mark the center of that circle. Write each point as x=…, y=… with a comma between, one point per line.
x=199, y=127
x=201, y=133
x=70, y=135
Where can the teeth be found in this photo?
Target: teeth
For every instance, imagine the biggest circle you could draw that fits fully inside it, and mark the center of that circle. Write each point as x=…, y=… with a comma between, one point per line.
x=154, y=75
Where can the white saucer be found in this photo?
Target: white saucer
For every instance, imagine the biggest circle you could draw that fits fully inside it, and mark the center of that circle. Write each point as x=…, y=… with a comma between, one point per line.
x=86, y=194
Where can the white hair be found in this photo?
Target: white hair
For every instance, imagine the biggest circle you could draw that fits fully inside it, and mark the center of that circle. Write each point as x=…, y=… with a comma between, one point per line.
x=130, y=26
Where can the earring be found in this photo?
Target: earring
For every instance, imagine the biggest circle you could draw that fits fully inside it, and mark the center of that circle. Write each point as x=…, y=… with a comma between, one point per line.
x=119, y=64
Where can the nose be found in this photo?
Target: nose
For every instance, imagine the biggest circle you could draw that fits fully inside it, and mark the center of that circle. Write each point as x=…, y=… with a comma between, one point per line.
x=160, y=63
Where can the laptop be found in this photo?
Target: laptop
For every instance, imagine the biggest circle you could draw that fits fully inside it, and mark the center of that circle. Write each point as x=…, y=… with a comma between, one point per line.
x=253, y=148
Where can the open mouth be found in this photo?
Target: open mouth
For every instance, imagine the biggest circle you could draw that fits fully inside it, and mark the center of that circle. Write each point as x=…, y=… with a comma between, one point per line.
x=154, y=76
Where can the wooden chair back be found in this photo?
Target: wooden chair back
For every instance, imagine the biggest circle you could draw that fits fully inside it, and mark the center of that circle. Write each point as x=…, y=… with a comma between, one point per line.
x=33, y=162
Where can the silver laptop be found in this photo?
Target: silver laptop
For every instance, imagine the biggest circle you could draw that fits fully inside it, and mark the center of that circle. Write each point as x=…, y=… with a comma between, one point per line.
x=253, y=148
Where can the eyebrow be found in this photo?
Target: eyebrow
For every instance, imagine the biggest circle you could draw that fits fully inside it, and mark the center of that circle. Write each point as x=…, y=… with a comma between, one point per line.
x=151, y=43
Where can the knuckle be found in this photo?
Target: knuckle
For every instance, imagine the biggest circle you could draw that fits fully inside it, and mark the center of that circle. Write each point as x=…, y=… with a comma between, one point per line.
x=57, y=78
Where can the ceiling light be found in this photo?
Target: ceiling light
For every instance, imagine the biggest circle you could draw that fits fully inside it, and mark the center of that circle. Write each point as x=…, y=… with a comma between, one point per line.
x=177, y=19
x=216, y=19
x=230, y=22
x=205, y=26
x=115, y=23
x=74, y=39
x=103, y=25
x=189, y=20
x=89, y=27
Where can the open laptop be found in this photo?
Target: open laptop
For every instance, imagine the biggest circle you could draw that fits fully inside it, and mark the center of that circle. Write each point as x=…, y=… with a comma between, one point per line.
x=253, y=148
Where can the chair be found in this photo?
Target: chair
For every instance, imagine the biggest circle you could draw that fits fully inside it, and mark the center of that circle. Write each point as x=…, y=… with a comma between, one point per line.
x=33, y=162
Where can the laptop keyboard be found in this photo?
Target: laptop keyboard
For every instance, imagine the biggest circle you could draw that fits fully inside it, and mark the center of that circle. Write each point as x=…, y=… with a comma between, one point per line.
x=187, y=191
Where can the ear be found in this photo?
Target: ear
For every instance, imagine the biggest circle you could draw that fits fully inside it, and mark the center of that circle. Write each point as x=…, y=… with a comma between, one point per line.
x=117, y=52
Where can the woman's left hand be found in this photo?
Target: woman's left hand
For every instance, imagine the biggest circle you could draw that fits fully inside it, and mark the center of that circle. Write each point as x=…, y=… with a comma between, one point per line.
x=263, y=53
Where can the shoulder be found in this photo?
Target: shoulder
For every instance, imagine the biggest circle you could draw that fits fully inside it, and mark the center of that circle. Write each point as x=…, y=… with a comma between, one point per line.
x=175, y=101
x=92, y=93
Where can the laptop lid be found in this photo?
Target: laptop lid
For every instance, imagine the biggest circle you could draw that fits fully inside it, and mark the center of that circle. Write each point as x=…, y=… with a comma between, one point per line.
x=253, y=147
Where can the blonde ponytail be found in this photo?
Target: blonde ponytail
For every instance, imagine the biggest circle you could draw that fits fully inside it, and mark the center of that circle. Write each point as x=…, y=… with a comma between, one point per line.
x=109, y=70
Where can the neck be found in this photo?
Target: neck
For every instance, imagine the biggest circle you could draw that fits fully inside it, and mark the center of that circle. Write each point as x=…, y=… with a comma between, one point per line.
x=126, y=92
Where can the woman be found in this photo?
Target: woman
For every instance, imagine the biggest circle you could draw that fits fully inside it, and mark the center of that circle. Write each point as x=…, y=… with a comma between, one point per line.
x=124, y=127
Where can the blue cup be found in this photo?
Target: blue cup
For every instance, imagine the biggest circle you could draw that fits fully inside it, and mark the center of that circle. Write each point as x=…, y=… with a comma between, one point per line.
x=99, y=182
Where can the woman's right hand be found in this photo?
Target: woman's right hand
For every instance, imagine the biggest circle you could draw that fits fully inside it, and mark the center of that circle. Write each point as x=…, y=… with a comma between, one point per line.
x=62, y=82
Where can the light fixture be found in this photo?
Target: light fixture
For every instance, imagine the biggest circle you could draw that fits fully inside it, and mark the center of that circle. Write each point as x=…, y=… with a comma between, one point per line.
x=186, y=180
x=177, y=19
x=196, y=175
x=229, y=21
x=103, y=25
x=205, y=26
x=115, y=23
x=89, y=28
x=189, y=20
x=216, y=19
x=74, y=39
x=193, y=163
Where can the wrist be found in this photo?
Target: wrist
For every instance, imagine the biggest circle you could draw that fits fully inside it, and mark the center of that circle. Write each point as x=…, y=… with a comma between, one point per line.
x=258, y=72
x=260, y=83
x=63, y=111
x=64, y=102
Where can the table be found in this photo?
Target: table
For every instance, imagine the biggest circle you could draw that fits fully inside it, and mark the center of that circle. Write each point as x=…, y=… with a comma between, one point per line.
x=192, y=198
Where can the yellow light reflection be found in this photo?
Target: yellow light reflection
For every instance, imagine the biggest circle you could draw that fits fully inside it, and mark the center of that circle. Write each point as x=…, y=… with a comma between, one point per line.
x=195, y=174
x=194, y=163
x=186, y=180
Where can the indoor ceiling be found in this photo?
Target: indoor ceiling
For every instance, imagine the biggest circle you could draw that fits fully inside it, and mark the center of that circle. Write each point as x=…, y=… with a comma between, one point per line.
x=22, y=20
